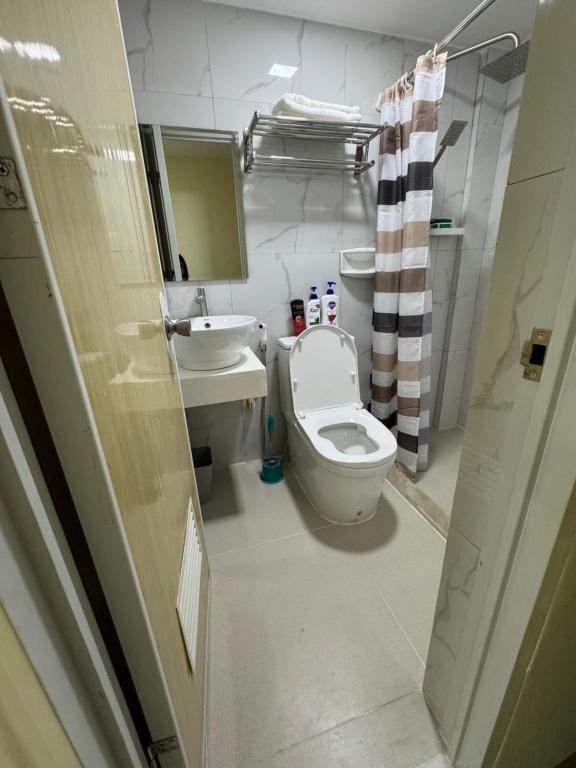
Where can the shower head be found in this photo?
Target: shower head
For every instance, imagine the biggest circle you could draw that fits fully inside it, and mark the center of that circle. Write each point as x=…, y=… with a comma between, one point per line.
x=453, y=133
x=508, y=66
x=450, y=137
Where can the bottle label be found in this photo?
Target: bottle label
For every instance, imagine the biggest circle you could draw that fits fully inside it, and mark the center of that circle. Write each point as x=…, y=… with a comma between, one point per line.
x=331, y=312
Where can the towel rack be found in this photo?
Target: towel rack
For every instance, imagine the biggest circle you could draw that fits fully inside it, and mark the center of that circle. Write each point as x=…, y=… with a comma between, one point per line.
x=272, y=126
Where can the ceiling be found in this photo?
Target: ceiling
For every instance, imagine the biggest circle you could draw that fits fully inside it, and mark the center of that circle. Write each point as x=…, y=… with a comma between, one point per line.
x=417, y=19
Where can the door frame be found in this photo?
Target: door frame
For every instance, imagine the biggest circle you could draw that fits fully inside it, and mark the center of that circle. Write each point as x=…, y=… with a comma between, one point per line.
x=44, y=598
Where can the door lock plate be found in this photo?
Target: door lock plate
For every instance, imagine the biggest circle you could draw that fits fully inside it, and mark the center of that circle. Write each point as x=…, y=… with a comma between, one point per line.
x=534, y=353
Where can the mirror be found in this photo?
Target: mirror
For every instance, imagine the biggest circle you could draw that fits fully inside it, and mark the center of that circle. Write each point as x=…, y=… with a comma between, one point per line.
x=196, y=195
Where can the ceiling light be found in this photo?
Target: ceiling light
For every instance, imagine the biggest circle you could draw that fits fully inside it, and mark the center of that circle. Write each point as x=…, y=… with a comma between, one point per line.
x=282, y=70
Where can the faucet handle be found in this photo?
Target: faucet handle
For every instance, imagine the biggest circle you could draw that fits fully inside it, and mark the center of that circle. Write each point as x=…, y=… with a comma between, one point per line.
x=182, y=326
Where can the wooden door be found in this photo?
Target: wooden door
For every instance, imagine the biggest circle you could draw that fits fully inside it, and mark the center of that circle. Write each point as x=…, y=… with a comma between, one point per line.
x=71, y=112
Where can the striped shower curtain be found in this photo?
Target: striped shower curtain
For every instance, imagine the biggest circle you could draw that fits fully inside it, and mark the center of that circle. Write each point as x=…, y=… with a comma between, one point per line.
x=402, y=335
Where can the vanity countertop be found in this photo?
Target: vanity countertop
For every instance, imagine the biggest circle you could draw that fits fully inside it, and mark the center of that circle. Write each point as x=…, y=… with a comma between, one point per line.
x=242, y=381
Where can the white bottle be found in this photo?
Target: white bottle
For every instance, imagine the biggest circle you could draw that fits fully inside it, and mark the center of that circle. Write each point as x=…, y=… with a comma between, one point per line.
x=313, y=311
x=330, y=305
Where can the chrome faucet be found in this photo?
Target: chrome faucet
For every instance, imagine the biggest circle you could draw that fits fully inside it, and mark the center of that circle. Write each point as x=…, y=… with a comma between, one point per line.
x=201, y=299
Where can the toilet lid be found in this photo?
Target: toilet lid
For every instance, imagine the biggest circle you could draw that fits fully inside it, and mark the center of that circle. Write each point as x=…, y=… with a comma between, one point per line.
x=324, y=369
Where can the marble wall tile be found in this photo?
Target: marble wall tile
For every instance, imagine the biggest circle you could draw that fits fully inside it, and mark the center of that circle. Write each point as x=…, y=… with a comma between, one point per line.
x=482, y=184
x=243, y=47
x=461, y=563
x=494, y=97
x=465, y=299
x=513, y=311
x=167, y=52
x=174, y=109
x=481, y=298
x=467, y=387
x=235, y=114
x=443, y=268
x=434, y=380
x=453, y=163
x=356, y=298
x=503, y=167
x=181, y=298
x=287, y=213
x=221, y=427
x=359, y=208
x=449, y=408
x=207, y=66
x=465, y=87
x=322, y=73
x=511, y=110
x=374, y=62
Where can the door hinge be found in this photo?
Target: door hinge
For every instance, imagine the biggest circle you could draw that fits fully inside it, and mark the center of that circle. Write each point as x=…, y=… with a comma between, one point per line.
x=534, y=353
x=11, y=194
x=161, y=747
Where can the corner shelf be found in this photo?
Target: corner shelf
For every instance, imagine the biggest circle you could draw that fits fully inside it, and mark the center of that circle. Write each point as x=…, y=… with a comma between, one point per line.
x=279, y=127
x=359, y=263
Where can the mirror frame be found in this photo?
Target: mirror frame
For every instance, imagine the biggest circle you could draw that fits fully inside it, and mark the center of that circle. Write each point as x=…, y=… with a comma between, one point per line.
x=181, y=133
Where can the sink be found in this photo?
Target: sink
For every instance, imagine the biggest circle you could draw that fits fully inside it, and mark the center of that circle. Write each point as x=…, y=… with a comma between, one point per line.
x=215, y=341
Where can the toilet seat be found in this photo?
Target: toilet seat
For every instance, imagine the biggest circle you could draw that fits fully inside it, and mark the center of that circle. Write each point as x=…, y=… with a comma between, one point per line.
x=327, y=406
x=348, y=437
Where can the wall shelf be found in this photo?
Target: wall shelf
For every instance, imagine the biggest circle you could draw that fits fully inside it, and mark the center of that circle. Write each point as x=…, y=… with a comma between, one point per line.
x=279, y=127
x=447, y=232
x=359, y=263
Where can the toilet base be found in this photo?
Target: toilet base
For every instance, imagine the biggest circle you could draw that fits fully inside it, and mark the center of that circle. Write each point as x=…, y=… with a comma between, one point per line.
x=339, y=495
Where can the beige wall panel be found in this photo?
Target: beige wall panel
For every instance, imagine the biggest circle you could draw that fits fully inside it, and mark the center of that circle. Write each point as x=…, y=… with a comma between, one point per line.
x=548, y=110
x=65, y=75
x=30, y=733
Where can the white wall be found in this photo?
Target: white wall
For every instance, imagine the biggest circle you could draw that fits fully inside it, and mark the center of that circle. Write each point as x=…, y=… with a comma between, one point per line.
x=206, y=66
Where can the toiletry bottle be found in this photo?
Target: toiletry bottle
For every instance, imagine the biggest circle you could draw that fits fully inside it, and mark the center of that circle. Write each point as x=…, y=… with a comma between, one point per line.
x=298, y=321
x=313, y=308
x=330, y=304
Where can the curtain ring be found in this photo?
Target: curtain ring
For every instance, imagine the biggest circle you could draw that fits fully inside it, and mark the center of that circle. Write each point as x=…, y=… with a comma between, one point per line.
x=434, y=52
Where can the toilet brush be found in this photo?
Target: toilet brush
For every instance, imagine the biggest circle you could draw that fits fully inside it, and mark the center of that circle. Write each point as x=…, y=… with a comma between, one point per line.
x=271, y=467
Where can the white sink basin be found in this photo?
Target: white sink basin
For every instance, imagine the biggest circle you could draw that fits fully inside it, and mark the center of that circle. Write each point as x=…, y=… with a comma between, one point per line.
x=215, y=341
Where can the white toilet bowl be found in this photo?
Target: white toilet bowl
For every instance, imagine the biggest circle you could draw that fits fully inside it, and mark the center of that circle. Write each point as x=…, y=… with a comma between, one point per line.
x=339, y=452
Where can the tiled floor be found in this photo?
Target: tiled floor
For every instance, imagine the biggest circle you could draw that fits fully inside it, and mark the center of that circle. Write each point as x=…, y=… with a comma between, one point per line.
x=439, y=480
x=318, y=632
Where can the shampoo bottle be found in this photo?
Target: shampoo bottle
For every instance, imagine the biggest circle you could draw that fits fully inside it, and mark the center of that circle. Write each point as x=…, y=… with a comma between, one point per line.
x=330, y=304
x=313, y=311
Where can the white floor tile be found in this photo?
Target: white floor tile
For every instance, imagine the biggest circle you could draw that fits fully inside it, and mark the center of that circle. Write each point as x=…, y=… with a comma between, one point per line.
x=385, y=738
x=299, y=642
x=402, y=554
x=316, y=630
x=243, y=510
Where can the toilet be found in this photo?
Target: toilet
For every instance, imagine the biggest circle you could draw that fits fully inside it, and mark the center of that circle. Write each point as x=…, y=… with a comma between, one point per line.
x=339, y=452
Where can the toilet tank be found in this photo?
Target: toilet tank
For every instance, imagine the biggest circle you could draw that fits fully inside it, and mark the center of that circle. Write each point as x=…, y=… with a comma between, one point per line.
x=285, y=344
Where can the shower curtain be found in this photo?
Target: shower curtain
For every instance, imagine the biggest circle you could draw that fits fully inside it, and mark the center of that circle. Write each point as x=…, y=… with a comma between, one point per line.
x=402, y=318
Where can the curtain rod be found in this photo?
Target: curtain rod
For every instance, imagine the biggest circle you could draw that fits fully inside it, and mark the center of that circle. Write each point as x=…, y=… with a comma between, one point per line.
x=458, y=29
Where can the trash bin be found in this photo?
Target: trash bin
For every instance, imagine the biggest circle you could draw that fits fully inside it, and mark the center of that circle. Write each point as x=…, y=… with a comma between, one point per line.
x=202, y=458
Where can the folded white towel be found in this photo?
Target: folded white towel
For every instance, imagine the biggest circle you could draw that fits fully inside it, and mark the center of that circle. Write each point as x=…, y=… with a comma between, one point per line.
x=295, y=105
